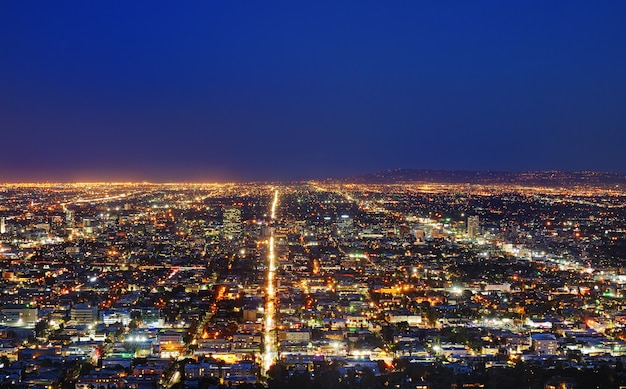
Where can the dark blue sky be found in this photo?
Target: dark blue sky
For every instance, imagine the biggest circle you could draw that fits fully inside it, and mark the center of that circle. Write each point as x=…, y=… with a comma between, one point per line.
x=164, y=91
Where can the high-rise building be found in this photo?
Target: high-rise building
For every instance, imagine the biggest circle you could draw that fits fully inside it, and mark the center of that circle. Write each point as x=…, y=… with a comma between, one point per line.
x=69, y=218
x=473, y=226
x=88, y=226
x=3, y=225
x=232, y=222
x=345, y=225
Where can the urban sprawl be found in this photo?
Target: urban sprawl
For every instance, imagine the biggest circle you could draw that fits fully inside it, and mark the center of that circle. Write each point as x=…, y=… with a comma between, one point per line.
x=312, y=285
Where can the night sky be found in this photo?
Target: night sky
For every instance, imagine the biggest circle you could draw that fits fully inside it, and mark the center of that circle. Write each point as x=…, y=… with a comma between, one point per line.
x=263, y=90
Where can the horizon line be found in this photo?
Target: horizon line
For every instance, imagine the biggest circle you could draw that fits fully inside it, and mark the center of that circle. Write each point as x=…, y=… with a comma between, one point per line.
x=280, y=181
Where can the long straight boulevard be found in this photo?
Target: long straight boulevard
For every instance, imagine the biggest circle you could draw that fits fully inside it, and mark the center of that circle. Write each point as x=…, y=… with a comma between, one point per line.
x=270, y=352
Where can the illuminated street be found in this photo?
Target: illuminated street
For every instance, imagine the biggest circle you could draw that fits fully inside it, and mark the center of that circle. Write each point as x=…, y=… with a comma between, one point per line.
x=269, y=335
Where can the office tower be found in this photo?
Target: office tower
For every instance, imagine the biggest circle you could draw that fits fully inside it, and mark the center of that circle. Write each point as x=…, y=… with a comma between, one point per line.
x=69, y=218
x=84, y=314
x=232, y=222
x=345, y=225
x=3, y=225
x=473, y=226
x=88, y=226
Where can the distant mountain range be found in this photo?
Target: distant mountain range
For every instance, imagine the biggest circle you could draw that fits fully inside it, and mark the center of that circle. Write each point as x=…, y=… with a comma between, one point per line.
x=543, y=178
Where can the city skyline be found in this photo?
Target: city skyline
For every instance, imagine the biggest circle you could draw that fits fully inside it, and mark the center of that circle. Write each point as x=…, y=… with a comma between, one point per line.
x=313, y=284
x=239, y=92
